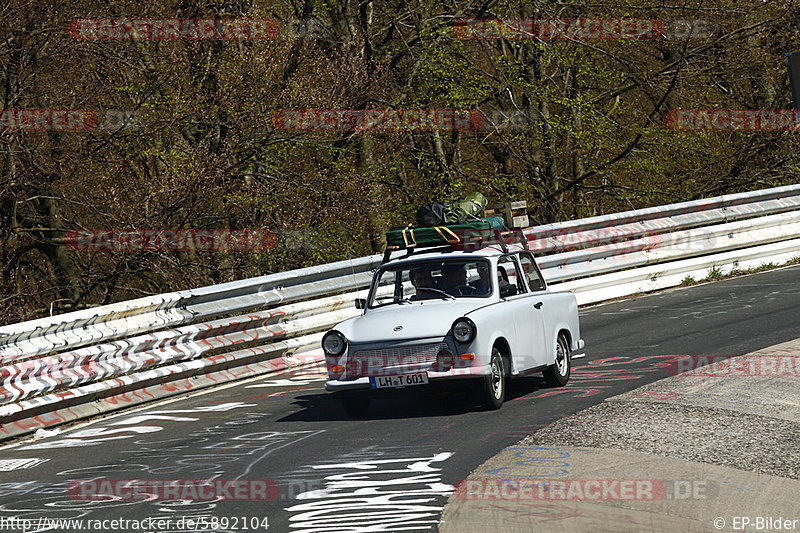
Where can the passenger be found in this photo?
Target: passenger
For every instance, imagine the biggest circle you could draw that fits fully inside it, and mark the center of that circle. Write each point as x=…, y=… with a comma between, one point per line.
x=483, y=285
x=455, y=278
x=502, y=281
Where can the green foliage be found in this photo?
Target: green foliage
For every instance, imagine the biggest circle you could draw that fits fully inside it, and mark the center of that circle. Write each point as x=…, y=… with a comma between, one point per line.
x=209, y=156
x=714, y=274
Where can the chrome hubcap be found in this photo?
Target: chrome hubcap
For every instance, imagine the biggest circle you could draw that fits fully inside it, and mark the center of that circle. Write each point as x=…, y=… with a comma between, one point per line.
x=497, y=379
x=561, y=358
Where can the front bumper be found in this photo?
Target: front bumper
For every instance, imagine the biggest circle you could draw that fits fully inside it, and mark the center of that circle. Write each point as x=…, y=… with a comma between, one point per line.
x=434, y=378
x=577, y=349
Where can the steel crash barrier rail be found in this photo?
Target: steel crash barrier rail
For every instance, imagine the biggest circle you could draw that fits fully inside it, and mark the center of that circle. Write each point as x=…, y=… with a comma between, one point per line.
x=63, y=368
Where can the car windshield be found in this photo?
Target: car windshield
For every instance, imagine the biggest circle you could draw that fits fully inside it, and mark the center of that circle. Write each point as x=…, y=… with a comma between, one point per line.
x=432, y=280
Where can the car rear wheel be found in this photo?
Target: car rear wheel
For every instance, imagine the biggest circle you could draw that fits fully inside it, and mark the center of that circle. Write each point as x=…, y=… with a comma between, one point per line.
x=557, y=374
x=493, y=386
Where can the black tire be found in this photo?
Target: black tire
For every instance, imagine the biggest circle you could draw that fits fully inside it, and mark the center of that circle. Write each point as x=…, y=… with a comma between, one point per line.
x=557, y=374
x=355, y=407
x=493, y=387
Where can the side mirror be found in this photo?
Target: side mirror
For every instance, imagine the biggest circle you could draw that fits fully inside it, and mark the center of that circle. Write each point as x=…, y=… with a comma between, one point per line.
x=507, y=290
x=361, y=303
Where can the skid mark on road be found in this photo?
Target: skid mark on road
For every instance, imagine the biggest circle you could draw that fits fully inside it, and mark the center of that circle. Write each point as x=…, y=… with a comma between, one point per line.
x=371, y=491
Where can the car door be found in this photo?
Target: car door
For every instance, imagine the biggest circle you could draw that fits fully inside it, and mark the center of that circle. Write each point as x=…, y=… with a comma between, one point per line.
x=542, y=304
x=528, y=349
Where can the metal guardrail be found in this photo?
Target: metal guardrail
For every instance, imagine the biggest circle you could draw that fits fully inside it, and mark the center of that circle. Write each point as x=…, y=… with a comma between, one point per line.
x=123, y=353
x=88, y=326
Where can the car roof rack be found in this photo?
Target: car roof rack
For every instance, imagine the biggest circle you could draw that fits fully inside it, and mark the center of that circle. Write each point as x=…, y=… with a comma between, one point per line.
x=484, y=239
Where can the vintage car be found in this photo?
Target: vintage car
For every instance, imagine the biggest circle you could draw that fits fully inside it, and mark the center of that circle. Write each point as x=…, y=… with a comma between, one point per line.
x=449, y=317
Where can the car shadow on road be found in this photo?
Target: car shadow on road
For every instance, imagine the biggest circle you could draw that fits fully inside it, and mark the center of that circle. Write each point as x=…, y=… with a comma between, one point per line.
x=517, y=388
x=327, y=407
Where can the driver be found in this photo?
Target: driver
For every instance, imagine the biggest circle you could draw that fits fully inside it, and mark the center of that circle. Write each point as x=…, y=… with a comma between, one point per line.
x=422, y=280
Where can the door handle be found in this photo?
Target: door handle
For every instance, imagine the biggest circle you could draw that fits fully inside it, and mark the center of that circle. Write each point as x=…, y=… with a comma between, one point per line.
x=538, y=305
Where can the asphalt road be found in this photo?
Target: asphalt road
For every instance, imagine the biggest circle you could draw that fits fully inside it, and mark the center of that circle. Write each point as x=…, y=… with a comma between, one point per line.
x=283, y=438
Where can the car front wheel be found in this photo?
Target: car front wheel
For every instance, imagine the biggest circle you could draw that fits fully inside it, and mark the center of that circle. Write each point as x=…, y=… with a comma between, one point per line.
x=493, y=386
x=557, y=374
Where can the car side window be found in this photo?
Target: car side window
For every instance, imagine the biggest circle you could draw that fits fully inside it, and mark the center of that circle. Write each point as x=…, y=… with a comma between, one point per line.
x=532, y=274
x=507, y=272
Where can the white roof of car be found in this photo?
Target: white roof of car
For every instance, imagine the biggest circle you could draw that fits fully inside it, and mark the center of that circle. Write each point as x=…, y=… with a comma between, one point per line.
x=488, y=252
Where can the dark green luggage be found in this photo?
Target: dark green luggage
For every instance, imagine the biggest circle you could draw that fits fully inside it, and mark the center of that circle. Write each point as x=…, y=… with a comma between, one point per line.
x=453, y=234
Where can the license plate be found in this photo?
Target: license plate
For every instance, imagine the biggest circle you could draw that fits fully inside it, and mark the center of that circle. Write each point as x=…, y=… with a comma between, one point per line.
x=406, y=380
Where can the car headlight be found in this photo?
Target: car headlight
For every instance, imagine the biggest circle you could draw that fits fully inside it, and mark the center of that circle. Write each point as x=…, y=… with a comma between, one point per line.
x=464, y=330
x=334, y=343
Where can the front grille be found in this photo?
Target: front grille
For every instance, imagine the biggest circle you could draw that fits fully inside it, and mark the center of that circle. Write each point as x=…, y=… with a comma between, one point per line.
x=425, y=352
x=395, y=360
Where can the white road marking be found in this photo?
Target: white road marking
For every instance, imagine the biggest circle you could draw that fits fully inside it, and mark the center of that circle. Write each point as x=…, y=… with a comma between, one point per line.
x=7, y=465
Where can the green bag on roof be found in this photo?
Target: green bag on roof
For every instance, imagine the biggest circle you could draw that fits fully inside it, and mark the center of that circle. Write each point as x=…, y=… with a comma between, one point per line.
x=470, y=207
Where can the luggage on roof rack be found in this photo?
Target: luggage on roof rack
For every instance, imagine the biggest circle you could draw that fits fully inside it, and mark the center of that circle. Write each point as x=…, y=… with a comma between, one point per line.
x=473, y=235
x=459, y=225
x=403, y=238
x=437, y=214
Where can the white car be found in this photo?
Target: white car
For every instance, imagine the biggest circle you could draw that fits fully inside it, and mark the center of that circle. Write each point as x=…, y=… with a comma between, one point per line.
x=444, y=317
